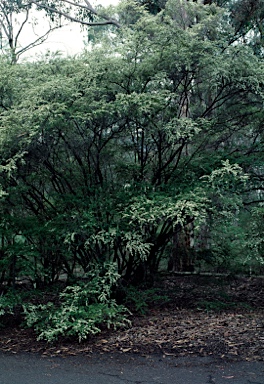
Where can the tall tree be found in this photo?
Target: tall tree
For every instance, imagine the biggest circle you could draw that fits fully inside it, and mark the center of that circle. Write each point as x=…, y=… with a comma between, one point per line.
x=107, y=157
x=14, y=18
x=81, y=12
x=17, y=15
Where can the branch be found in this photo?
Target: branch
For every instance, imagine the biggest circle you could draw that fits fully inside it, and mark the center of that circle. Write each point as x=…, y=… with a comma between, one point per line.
x=21, y=27
x=261, y=29
x=107, y=19
x=92, y=10
x=3, y=11
x=2, y=23
x=253, y=202
x=87, y=6
x=4, y=27
x=37, y=42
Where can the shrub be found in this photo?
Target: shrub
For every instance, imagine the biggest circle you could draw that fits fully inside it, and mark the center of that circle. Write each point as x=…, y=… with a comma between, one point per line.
x=83, y=308
x=10, y=307
x=7, y=303
x=140, y=300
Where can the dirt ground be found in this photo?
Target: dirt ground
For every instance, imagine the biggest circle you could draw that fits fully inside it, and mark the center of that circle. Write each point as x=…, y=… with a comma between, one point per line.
x=200, y=316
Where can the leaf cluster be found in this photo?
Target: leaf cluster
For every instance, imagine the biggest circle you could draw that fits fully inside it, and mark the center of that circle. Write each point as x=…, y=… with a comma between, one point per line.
x=82, y=310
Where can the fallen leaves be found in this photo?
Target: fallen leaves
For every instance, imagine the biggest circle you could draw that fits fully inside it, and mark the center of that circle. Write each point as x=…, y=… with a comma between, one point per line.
x=200, y=334
x=172, y=331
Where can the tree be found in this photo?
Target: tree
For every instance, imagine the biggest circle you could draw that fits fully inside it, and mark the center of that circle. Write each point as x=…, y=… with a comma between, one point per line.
x=246, y=17
x=14, y=17
x=77, y=11
x=153, y=6
x=108, y=157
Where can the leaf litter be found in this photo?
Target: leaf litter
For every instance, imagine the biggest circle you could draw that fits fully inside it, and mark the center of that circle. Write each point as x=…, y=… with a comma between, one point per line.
x=202, y=318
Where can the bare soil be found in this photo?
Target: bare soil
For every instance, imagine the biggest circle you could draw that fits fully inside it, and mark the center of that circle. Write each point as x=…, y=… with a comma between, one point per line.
x=202, y=316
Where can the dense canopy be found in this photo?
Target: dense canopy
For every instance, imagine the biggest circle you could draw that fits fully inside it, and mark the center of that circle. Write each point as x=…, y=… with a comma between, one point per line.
x=146, y=151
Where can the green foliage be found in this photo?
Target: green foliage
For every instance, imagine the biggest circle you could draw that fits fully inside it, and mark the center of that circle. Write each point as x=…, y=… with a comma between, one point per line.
x=160, y=208
x=219, y=305
x=110, y=156
x=8, y=301
x=215, y=306
x=82, y=310
x=139, y=299
x=254, y=238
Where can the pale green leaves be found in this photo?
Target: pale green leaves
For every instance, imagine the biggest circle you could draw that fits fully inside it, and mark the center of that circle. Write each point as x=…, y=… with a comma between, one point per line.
x=144, y=104
x=82, y=310
x=225, y=186
x=163, y=209
x=132, y=241
x=136, y=245
x=184, y=128
x=12, y=163
x=226, y=177
x=2, y=193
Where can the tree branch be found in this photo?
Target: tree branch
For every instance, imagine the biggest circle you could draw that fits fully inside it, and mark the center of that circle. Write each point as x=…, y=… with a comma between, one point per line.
x=107, y=20
x=253, y=202
x=4, y=27
x=37, y=42
x=21, y=27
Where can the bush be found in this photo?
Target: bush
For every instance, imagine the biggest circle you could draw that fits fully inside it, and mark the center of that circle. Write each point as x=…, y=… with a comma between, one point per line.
x=83, y=308
x=140, y=300
x=7, y=303
x=10, y=307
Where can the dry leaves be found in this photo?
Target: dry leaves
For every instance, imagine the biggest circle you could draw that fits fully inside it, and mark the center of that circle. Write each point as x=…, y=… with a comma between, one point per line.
x=173, y=331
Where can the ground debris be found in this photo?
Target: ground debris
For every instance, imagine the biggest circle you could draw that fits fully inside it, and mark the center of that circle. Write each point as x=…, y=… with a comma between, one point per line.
x=235, y=331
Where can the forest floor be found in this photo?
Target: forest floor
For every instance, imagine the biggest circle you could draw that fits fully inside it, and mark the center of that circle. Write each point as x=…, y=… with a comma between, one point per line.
x=186, y=316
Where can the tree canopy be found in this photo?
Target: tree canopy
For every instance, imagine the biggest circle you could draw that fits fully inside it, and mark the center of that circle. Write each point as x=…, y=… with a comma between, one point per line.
x=117, y=155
